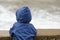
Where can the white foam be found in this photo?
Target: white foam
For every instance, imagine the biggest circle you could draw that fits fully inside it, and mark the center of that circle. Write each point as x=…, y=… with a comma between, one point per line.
x=6, y=18
x=42, y=19
x=45, y=20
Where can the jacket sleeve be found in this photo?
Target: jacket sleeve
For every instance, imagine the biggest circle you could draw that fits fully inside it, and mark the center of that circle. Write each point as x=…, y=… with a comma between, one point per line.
x=34, y=29
x=11, y=31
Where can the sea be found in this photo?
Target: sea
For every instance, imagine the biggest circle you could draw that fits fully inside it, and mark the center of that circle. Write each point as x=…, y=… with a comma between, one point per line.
x=45, y=13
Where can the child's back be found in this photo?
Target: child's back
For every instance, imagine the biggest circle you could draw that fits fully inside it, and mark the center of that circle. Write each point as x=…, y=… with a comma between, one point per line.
x=22, y=29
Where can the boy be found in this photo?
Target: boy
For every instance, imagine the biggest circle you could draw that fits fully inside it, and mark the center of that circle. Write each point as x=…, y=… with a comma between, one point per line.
x=23, y=29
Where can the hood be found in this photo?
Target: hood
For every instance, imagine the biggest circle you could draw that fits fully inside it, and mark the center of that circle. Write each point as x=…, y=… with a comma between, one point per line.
x=23, y=15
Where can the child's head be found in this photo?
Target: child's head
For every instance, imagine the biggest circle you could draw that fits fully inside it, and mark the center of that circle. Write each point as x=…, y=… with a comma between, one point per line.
x=23, y=15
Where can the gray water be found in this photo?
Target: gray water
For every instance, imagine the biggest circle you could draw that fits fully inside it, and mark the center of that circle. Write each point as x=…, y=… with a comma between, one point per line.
x=45, y=13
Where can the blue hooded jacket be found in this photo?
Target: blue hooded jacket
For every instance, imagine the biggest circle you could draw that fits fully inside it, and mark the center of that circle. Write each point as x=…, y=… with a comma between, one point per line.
x=23, y=29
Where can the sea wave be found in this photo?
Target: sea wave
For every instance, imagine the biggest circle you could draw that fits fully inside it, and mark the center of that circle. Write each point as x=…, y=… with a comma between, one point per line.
x=41, y=18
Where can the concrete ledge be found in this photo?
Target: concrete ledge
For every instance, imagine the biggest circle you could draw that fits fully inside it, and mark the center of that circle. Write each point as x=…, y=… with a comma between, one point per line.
x=48, y=32
x=4, y=33
x=42, y=34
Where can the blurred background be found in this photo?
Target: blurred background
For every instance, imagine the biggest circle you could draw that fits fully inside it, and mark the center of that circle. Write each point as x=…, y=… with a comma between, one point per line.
x=45, y=13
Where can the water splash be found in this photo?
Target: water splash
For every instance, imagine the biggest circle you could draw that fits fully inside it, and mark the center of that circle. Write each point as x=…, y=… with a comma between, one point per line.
x=42, y=19
x=6, y=18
